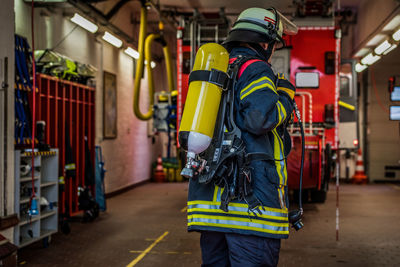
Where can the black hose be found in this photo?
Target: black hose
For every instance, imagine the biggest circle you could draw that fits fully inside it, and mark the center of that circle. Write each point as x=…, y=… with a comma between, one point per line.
x=297, y=113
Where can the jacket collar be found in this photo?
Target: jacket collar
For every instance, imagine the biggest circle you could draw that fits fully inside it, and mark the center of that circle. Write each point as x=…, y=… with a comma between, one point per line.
x=246, y=51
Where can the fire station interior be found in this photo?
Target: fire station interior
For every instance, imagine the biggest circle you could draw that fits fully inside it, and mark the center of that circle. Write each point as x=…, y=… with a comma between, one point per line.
x=93, y=169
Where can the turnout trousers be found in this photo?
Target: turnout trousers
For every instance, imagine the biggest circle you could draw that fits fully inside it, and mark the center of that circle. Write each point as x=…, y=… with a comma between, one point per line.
x=236, y=250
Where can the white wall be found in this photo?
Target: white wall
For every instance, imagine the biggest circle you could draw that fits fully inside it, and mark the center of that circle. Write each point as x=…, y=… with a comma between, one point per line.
x=7, y=50
x=383, y=142
x=383, y=134
x=128, y=157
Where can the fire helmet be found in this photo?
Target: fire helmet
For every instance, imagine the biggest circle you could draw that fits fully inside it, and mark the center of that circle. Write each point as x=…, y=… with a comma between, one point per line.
x=259, y=25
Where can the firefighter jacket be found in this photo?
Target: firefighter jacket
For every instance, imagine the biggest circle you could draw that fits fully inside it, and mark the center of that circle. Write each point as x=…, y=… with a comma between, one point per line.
x=261, y=111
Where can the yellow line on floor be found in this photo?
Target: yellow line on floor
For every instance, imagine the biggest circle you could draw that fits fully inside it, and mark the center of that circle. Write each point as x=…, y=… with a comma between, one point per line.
x=147, y=250
x=141, y=251
x=184, y=209
x=165, y=252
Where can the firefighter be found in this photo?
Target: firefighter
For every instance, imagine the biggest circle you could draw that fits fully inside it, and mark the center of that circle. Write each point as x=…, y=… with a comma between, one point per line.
x=263, y=104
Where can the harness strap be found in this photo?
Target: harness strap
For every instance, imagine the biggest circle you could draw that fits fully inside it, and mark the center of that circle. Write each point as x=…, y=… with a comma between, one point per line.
x=213, y=76
x=245, y=64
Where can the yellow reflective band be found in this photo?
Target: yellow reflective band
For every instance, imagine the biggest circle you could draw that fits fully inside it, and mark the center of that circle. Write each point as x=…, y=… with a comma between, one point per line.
x=264, y=78
x=281, y=113
x=263, y=82
x=234, y=212
x=280, y=166
x=237, y=205
x=347, y=105
x=215, y=193
x=282, y=109
x=288, y=91
x=257, y=88
x=237, y=219
x=283, y=230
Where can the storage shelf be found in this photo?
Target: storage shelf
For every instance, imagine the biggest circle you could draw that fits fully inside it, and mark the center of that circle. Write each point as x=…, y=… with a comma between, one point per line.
x=46, y=232
x=25, y=219
x=46, y=214
x=26, y=200
x=27, y=241
x=44, y=184
x=43, y=233
x=28, y=178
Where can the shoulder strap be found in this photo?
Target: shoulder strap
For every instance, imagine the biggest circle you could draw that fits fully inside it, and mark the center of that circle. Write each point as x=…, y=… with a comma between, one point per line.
x=243, y=62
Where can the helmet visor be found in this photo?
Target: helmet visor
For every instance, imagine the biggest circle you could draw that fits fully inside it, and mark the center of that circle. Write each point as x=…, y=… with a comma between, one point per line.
x=288, y=27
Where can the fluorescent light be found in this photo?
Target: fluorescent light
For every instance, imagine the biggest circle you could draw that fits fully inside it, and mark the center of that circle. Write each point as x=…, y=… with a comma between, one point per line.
x=360, y=68
x=112, y=39
x=132, y=52
x=382, y=47
x=390, y=49
x=370, y=59
x=393, y=24
x=84, y=23
x=376, y=40
x=362, y=52
x=396, y=35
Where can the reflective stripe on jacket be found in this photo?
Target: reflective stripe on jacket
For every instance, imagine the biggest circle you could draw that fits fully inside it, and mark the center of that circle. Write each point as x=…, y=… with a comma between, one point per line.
x=261, y=111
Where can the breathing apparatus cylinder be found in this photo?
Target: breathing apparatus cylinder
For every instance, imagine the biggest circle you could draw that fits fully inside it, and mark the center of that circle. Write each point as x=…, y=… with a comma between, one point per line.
x=202, y=104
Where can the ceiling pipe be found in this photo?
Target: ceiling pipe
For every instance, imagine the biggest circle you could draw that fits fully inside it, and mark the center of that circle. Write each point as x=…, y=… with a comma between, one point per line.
x=114, y=10
x=174, y=24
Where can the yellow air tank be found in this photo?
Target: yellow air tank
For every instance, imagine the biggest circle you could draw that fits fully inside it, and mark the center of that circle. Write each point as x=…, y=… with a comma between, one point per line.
x=202, y=102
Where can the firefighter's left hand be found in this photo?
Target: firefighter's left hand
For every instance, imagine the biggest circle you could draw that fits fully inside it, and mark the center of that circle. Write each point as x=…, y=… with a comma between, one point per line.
x=285, y=85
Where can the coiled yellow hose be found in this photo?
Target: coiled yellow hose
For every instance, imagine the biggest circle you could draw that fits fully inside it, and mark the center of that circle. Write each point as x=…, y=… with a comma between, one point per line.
x=145, y=53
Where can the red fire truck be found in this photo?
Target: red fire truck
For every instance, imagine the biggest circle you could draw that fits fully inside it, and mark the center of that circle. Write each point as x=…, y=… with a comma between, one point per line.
x=313, y=56
x=312, y=62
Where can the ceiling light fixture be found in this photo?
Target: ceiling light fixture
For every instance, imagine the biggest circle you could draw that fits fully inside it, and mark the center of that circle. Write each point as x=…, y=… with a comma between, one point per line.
x=396, y=35
x=84, y=23
x=382, y=47
x=108, y=37
x=360, y=67
x=370, y=59
x=390, y=49
x=132, y=52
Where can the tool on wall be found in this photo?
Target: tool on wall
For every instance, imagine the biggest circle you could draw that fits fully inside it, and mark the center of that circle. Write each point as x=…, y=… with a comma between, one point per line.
x=23, y=84
x=145, y=55
x=100, y=173
x=52, y=63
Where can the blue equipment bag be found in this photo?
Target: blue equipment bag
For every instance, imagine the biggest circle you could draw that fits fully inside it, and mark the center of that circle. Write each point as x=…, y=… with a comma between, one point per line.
x=100, y=173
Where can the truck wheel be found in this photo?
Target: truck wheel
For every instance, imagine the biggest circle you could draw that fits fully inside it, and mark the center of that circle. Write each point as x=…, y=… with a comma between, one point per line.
x=318, y=196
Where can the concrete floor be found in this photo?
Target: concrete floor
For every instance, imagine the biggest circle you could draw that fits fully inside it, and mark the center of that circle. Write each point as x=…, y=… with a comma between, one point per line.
x=369, y=232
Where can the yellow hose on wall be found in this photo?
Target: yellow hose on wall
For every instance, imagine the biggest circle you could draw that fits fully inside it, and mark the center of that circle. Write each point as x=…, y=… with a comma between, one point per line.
x=145, y=53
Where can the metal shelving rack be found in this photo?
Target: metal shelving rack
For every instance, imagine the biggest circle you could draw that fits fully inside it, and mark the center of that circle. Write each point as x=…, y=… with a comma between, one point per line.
x=34, y=228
